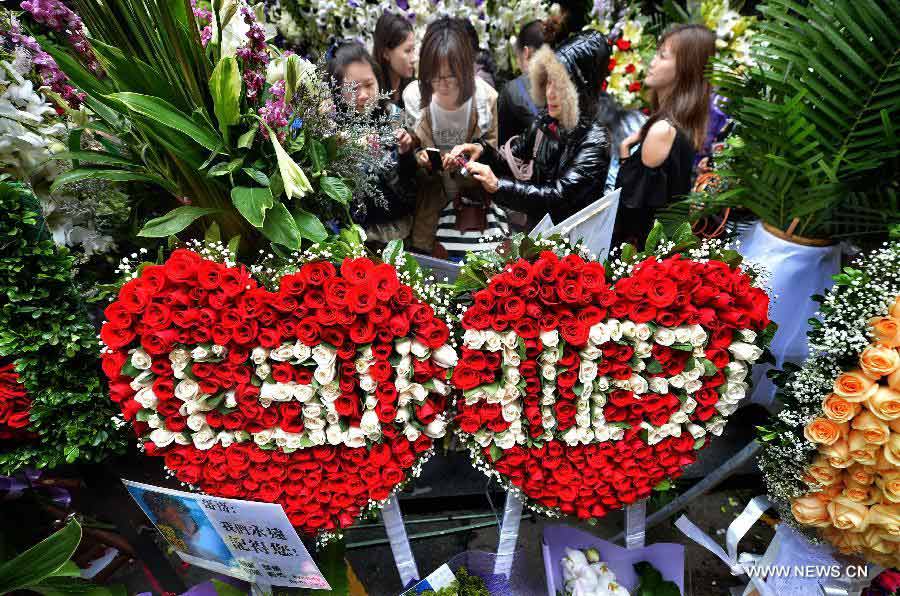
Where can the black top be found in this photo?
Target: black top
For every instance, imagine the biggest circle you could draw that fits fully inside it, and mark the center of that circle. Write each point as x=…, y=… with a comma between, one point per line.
x=516, y=110
x=643, y=186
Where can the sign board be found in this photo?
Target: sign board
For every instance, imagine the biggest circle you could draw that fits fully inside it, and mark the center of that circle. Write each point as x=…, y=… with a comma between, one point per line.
x=251, y=541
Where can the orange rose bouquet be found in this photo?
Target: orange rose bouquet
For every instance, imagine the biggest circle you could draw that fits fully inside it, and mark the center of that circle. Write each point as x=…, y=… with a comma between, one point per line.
x=832, y=455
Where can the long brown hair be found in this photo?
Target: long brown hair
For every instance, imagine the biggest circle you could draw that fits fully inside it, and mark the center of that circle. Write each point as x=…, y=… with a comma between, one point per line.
x=391, y=31
x=687, y=105
x=445, y=41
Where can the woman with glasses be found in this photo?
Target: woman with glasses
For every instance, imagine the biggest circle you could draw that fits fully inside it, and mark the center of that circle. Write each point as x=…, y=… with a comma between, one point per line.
x=447, y=106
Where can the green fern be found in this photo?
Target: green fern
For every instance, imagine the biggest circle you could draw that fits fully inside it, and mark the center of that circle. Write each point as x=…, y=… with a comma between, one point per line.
x=816, y=119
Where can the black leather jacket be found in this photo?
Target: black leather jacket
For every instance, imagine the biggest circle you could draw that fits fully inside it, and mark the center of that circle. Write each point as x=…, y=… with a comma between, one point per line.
x=570, y=167
x=568, y=174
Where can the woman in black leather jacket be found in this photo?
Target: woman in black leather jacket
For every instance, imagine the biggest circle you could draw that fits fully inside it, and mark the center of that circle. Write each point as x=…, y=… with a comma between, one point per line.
x=568, y=146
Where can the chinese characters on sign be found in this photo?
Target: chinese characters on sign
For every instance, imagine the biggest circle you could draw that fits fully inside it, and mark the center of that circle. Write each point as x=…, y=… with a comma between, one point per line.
x=248, y=540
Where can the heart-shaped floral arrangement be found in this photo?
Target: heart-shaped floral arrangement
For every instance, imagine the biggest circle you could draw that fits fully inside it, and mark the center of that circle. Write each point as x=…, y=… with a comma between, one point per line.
x=323, y=395
x=584, y=386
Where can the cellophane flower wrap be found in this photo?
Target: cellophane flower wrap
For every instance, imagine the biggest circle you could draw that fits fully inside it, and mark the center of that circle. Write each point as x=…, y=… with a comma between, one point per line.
x=319, y=383
x=832, y=454
x=587, y=384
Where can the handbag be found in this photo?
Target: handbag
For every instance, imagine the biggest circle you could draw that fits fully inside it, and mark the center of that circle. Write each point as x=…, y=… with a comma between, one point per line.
x=521, y=169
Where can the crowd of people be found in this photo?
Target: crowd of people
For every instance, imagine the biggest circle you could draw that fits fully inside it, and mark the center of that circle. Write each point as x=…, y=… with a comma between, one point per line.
x=470, y=164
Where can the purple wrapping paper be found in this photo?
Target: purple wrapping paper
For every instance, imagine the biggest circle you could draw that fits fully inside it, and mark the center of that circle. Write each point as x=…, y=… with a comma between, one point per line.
x=667, y=557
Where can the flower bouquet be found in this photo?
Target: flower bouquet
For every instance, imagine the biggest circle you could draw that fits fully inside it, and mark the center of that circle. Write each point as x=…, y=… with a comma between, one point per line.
x=245, y=140
x=832, y=455
x=317, y=382
x=586, y=385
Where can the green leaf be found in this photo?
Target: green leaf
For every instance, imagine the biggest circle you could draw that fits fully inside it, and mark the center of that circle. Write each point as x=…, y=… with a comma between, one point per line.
x=234, y=244
x=111, y=175
x=291, y=77
x=224, y=589
x=213, y=233
x=164, y=113
x=41, y=560
x=95, y=157
x=64, y=586
x=252, y=203
x=246, y=139
x=257, y=176
x=71, y=453
x=280, y=227
x=225, y=87
x=309, y=226
x=684, y=347
x=292, y=177
x=391, y=251
x=336, y=188
x=663, y=486
x=496, y=453
x=318, y=155
x=654, y=367
x=174, y=221
x=654, y=238
x=226, y=167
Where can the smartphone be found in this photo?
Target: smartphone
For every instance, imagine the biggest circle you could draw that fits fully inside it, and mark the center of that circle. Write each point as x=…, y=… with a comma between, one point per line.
x=434, y=156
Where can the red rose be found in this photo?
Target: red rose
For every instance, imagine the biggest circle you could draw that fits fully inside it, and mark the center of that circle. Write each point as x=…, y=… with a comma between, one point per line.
x=521, y=273
x=357, y=270
x=361, y=298
x=182, y=265
x=315, y=274
x=134, y=296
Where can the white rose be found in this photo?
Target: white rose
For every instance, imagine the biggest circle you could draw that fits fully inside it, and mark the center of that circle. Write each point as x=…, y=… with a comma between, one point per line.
x=219, y=351
x=748, y=335
x=204, y=439
x=179, y=357
x=598, y=334
x=664, y=336
x=369, y=422
x=282, y=353
x=746, y=352
x=683, y=335
x=689, y=405
x=583, y=419
x=677, y=381
x=317, y=437
x=259, y=355
x=144, y=379
x=550, y=338
x=187, y=389
x=616, y=433
x=230, y=399
x=629, y=329
x=658, y=385
x=494, y=343
x=225, y=438
x=412, y=433
x=264, y=437
x=643, y=332
x=162, y=437
x=313, y=410
x=510, y=393
x=329, y=392
x=146, y=398
x=548, y=399
x=602, y=383
x=698, y=335
x=370, y=402
x=511, y=357
x=483, y=437
x=178, y=371
x=726, y=408
x=598, y=399
x=303, y=393
x=367, y=383
x=301, y=351
x=587, y=372
x=591, y=352
x=276, y=391
x=294, y=440
x=445, y=356
x=334, y=435
x=403, y=414
x=587, y=391
x=601, y=433
x=736, y=391
x=693, y=386
x=141, y=360
x=585, y=435
x=548, y=371
x=716, y=426
x=263, y=371
x=549, y=357
x=571, y=436
x=200, y=353
x=510, y=340
x=154, y=421
x=670, y=429
x=473, y=339
x=403, y=399
x=436, y=428
x=678, y=418
x=331, y=416
x=419, y=350
x=511, y=411
x=323, y=356
x=548, y=421
x=241, y=435
x=643, y=349
x=511, y=375
x=614, y=327
x=404, y=368
x=196, y=421
x=325, y=374
x=505, y=440
x=638, y=384
x=441, y=388
x=736, y=371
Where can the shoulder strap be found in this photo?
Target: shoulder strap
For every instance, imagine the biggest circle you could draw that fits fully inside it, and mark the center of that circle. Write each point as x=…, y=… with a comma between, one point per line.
x=531, y=107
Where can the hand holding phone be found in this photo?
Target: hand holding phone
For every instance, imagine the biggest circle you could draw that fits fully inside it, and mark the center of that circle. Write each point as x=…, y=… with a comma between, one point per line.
x=434, y=156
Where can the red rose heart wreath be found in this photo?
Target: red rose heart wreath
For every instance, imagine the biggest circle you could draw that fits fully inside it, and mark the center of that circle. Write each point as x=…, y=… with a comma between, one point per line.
x=323, y=395
x=585, y=386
